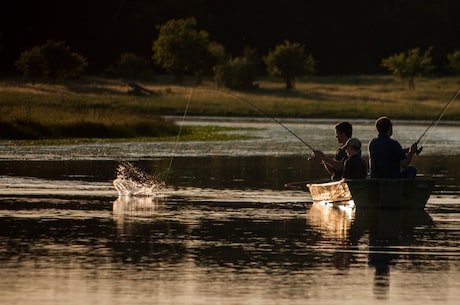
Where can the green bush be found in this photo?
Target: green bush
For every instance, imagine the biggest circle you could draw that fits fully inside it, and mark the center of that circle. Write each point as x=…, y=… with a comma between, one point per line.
x=409, y=65
x=289, y=61
x=21, y=129
x=237, y=73
x=31, y=64
x=454, y=61
x=130, y=66
x=53, y=60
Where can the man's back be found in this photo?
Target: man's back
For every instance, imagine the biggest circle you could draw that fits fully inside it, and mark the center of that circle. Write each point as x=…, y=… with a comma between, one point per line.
x=385, y=156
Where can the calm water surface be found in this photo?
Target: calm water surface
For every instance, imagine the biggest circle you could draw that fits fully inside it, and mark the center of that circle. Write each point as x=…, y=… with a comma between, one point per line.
x=224, y=230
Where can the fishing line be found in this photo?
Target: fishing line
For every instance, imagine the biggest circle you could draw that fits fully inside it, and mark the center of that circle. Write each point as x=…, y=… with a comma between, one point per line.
x=131, y=181
x=435, y=122
x=264, y=114
x=179, y=133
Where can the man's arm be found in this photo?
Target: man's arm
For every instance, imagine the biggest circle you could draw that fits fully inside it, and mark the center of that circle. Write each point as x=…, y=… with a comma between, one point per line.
x=329, y=162
x=412, y=151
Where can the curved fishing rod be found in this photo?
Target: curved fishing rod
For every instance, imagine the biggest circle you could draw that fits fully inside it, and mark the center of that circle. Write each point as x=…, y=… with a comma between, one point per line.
x=435, y=122
x=264, y=114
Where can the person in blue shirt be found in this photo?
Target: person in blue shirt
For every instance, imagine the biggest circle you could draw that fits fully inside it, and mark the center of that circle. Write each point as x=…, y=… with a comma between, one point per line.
x=387, y=157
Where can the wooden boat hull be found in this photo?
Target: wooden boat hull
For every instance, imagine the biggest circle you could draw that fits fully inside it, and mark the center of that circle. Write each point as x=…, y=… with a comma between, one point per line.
x=376, y=193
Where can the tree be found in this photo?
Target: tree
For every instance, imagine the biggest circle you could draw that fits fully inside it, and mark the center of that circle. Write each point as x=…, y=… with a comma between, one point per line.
x=409, y=65
x=239, y=72
x=454, y=61
x=30, y=63
x=289, y=61
x=60, y=62
x=54, y=60
x=132, y=66
x=180, y=48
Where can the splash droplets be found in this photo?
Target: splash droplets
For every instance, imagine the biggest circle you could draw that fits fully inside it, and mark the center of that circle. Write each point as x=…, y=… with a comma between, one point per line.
x=131, y=181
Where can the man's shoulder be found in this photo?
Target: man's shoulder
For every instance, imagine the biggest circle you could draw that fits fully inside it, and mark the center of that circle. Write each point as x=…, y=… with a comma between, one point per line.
x=394, y=142
x=384, y=140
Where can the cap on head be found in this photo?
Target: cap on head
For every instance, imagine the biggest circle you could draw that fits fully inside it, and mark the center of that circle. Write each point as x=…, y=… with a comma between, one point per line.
x=353, y=142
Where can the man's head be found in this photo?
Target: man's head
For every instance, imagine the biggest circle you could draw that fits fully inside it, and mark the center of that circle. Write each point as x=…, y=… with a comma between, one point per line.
x=384, y=126
x=343, y=131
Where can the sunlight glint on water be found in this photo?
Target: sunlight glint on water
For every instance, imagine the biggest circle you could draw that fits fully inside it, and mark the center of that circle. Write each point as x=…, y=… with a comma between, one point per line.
x=225, y=232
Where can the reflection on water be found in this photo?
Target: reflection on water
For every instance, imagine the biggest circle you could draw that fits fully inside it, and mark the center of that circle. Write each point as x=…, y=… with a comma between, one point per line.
x=223, y=230
x=192, y=248
x=383, y=235
x=128, y=210
x=332, y=220
x=390, y=235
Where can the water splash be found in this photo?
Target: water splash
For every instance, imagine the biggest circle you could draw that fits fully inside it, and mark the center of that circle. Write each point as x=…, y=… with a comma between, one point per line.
x=131, y=181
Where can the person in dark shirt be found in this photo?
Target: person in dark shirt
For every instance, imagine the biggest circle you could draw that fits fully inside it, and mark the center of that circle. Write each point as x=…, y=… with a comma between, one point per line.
x=387, y=157
x=354, y=166
x=334, y=165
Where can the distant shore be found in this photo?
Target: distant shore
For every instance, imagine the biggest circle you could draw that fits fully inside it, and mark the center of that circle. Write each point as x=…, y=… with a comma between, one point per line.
x=95, y=107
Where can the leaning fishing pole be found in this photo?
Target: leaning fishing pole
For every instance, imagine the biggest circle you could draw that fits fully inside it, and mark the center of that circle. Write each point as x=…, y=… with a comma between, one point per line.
x=266, y=115
x=435, y=122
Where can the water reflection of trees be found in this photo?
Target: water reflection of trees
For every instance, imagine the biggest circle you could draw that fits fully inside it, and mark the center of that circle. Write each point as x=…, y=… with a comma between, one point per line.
x=294, y=244
x=149, y=234
x=223, y=171
x=243, y=242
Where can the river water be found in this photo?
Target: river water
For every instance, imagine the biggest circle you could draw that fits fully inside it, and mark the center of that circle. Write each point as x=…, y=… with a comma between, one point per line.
x=223, y=230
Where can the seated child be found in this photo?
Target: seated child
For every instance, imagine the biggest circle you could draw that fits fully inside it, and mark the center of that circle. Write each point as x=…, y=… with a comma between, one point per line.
x=354, y=166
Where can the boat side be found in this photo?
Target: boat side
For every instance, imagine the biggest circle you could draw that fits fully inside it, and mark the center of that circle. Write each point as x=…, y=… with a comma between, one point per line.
x=391, y=193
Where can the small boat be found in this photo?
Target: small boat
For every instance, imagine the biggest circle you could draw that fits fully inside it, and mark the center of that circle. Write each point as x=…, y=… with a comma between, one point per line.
x=376, y=193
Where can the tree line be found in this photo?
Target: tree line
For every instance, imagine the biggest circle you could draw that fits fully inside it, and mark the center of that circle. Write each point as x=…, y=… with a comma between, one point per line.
x=344, y=37
x=181, y=48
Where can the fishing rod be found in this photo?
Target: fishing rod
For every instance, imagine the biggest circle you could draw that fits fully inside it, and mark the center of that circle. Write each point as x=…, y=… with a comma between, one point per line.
x=266, y=115
x=303, y=183
x=435, y=122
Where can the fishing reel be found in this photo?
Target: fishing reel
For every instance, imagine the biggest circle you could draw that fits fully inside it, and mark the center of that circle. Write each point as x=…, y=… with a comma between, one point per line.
x=419, y=150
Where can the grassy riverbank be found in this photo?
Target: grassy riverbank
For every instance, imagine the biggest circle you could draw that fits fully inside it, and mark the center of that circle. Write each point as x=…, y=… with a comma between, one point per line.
x=94, y=107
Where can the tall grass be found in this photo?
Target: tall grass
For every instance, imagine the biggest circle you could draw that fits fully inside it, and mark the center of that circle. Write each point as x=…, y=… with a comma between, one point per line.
x=97, y=107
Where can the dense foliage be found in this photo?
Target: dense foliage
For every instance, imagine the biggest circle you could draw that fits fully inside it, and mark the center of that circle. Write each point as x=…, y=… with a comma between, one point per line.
x=454, y=61
x=239, y=72
x=343, y=36
x=289, y=61
x=54, y=60
x=408, y=65
x=181, y=48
